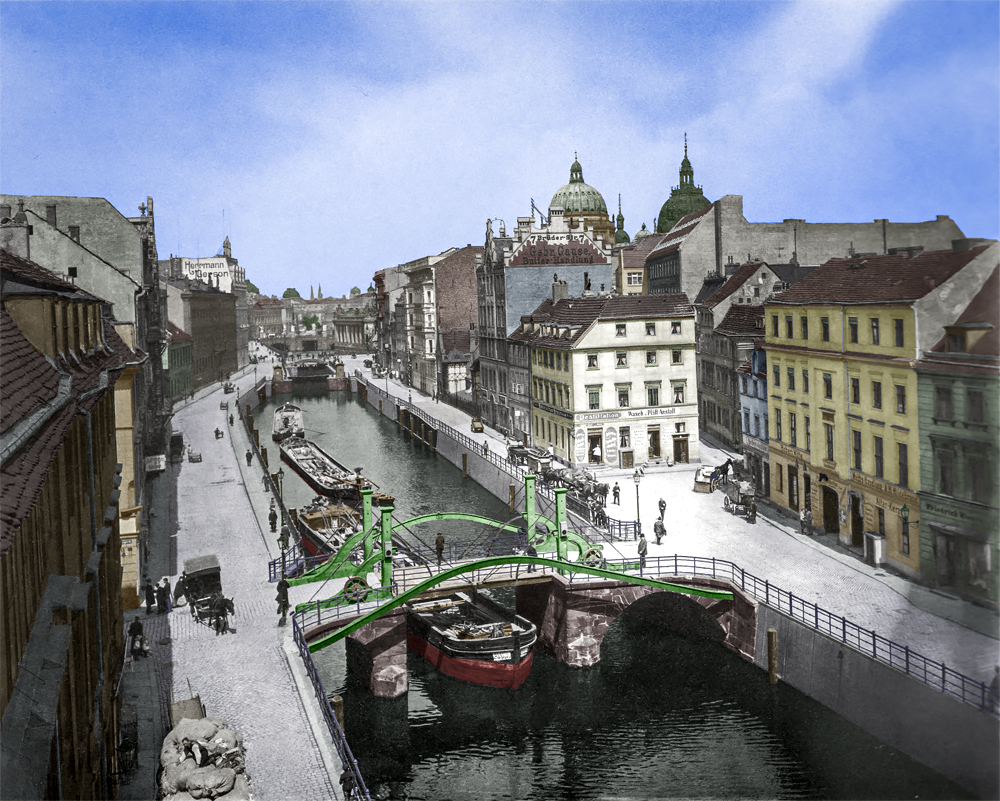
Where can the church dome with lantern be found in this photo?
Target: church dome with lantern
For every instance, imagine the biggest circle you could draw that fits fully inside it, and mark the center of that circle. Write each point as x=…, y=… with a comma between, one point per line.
x=584, y=205
x=684, y=198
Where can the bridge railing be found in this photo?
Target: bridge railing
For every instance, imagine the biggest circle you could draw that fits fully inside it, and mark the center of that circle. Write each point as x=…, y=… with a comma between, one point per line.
x=357, y=790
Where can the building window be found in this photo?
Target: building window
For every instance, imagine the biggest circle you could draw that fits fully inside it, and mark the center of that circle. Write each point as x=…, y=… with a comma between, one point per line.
x=875, y=340
x=805, y=381
x=756, y=426
x=74, y=232
x=619, y=329
x=591, y=361
x=900, y=399
x=679, y=428
x=675, y=327
x=904, y=544
x=827, y=385
x=635, y=279
x=904, y=464
x=805, y=327
x=558, y=361
x=746, y=421
x=594, y=396
x=777, y=375
x=855, y=390
x=547, y=393
x=777, y=425
x=789, y=332
x=852, y=325
x=781, y=478
x=678, y=393
x=791, y=379
x=676, y=356
x=650, y=329
x=623, y=397
x=621, y=359
x=825, y=322
x=976, y=408
x=981, y=473
x=879, y=466
x=829, y=441
x=624, y=437
x=774, y=325
x=942, y=407
x=946, y=466
x=743, y=381
x=899, y=332
x=856, y=436
x=653, y=396
x=808, y=436
x=650, y=357
x=881, y=521
x=792, y=432
x=877, y=394
x=767, y=430
x=956, y=343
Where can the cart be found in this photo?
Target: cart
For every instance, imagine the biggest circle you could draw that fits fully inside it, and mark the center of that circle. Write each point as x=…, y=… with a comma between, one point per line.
x=477, y=425
x=740, y=500
x=202, y=584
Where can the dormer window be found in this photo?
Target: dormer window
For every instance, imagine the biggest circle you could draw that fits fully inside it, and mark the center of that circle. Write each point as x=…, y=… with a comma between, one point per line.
x=956, y=343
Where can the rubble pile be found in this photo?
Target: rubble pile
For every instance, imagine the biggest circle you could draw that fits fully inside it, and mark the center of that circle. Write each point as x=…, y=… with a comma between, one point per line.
x=203, y=759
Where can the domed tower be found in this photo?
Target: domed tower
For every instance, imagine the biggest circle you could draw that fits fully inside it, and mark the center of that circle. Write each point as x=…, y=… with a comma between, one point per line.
x=583, y=205
x=642, y=233
x=621, y=238
x=684, y=199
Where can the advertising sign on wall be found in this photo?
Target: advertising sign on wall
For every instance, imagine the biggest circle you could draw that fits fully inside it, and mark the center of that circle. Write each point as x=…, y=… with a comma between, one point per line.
x=611, y=445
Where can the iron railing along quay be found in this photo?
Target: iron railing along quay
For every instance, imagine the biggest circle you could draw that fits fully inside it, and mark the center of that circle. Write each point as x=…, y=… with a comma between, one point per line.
x=356, y=788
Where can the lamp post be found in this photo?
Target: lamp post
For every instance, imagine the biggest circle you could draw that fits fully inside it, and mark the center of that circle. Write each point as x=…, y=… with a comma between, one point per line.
x=637, y=477
x=283, y=542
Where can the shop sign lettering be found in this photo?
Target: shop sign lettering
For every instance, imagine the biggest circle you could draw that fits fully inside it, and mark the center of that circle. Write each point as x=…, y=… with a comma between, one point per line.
x=545, y=252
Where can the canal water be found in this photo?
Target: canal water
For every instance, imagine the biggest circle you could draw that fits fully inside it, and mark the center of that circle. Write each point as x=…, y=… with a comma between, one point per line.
x=661, y=716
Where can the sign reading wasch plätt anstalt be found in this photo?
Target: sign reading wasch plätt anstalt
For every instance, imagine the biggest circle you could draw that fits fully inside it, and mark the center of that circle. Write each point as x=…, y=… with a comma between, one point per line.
x=575, y=250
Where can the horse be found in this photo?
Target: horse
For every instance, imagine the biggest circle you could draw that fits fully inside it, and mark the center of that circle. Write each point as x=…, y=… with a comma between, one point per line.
x=221, y=608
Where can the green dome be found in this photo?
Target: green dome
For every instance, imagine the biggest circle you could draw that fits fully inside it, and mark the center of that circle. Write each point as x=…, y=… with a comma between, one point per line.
x=621, y=237
x=684, y=199
x=576, y=196
x=643, y=233
x=355, y=291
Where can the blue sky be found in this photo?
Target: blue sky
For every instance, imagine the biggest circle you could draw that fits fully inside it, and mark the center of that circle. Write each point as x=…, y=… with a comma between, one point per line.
x=345, y=138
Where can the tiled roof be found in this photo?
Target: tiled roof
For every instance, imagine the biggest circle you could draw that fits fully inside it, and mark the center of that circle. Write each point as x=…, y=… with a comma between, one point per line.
x=580, y=313
x=743, y=274
x=455, y=339
x=263, y=302
x=176, y=334
x=741, y=320
x=709, y=286
x=25, y=471
x=744, y=368
x=893, y=278
x=694, y=215
x=671, y=241
x=792, y=273
x=29, y=380
x=28, y=275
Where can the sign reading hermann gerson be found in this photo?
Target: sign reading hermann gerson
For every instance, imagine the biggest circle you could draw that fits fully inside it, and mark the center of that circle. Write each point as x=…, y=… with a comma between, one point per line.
x=545, y=252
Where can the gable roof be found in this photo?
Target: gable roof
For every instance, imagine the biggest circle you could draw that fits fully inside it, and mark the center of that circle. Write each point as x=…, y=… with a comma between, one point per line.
x=743, y=274
x=983, y=308
x=892, y=278
x=741, y=320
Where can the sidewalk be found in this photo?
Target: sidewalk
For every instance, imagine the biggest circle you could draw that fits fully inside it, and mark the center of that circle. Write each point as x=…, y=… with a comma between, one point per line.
x=940, y=627
x=254, y=677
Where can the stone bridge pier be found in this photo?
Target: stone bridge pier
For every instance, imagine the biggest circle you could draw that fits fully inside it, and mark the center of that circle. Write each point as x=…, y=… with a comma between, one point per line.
x=378, y=650
x=572, y=619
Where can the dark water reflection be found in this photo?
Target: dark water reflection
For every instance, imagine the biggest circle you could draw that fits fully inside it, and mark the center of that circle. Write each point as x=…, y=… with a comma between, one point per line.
x=661, y=716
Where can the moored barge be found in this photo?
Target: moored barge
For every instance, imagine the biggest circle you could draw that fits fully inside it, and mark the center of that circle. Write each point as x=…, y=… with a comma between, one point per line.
x=287, y=423
x=321, y=471
x=472, y=638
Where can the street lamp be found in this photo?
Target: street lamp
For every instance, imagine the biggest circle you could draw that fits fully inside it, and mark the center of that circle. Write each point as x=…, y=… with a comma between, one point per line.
x=637, y=477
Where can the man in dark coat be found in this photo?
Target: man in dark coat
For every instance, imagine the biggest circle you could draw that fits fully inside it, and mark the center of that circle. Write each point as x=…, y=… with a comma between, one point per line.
x=150, y=596
x=139, y=645
x=439, y=546
x=643, y=548
x=616, y=492
x=282, y=596
x=659, y=530
x=272, y=518
x=249, y=458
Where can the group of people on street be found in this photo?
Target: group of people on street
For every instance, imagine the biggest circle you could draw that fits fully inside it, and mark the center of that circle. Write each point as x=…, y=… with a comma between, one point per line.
x=158, y=596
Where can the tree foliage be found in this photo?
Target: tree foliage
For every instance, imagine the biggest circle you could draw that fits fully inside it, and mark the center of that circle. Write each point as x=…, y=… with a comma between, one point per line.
x=291, y=292
x=309, y=322
x=252, y=288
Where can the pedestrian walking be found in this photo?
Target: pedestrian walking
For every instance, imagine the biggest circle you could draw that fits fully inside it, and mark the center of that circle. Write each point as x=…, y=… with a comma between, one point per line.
x=643, y=548
x=139, y=647
x=805, y=521
x=531, y=551
x=282, y=596
x=993, y=702
x=249, y=457
x=439, y=547
x=166, y=594
x=486, y=448
x=663, y=507
x=616, y=494
x=659, y=530
x=272, y=518
x=230, y=419
x=150, y=596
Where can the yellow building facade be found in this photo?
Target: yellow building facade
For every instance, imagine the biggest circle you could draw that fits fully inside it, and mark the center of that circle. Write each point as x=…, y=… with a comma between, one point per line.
x=843, y=422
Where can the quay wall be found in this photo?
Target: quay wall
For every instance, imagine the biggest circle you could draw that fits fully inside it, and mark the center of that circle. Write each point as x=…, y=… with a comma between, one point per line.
x=957, y=740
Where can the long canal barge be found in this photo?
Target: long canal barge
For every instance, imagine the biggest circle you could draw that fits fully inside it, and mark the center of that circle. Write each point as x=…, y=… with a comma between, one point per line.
x=321, y=471
x=472, y=638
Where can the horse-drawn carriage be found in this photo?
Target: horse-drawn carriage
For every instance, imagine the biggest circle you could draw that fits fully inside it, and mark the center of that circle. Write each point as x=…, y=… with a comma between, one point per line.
x=740, y=500
x=203, y=589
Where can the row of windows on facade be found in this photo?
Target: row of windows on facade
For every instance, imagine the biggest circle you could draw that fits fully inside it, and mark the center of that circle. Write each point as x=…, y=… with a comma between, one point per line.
x=715, y=376
x=717, y=414
x=621, y=329
x=852, y=327
x=757, y=387
x=556, y=360
x=664, y=269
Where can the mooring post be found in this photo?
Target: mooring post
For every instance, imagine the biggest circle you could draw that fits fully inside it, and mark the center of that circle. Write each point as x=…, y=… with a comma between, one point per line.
x=772, y=656
x=337, y=702
x=256, y=438
x=380, y=406
x=465, y=465
x=366, y=520
x=263, y=457
x=513, y=498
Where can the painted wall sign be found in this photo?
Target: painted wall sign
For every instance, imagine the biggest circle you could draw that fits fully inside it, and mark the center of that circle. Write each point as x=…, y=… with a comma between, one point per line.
x=581, y=445
x=611, y=445
x=543, y=251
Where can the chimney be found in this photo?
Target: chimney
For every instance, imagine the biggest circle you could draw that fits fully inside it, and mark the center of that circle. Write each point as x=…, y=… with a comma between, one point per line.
x=560, y=290
x=50, y=214
x=965, y=245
